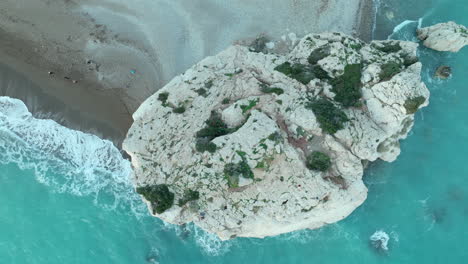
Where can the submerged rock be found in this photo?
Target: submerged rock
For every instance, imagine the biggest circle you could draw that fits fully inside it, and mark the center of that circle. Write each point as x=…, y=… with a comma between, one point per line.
x=269, y=143
x=443, y=72
x=444, y=36
x=379, y=240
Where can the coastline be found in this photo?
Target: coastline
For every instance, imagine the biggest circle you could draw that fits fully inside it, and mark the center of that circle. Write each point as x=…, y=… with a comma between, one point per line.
x=102, y=60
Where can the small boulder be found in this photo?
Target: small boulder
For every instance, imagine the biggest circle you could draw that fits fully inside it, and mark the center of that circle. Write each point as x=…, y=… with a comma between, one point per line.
x=443, y=72
x=379, y=240
x=444, y=36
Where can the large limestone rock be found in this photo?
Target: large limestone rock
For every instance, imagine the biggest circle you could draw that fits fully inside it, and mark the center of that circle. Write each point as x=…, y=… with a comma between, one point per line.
x=444, y=36
x=255, y=182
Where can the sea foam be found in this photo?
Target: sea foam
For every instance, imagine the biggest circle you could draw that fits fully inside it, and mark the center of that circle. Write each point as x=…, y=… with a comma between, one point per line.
x=67, y=160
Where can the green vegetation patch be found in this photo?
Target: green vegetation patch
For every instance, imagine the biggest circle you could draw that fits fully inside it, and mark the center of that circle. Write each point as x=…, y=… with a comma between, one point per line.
x=179, y=109
x=267, y=89
x=347, y=87
x=163, y=98
x=230, y=75
x=300, y=72
x=318, y=54
x=189, y=195
x=320, y=73
x=252, y=104
x=275, y=137
x=159, y=196
x=388, y=70
x=412, y=104
x=318, y=161
x=201, y=92
x=233, y=171
x=389, y=47
x=215, y=127
x=330, y=117
x=409, y=60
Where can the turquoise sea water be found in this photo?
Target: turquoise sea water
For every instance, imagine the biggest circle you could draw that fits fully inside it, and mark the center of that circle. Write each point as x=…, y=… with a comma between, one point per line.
x=69, y=201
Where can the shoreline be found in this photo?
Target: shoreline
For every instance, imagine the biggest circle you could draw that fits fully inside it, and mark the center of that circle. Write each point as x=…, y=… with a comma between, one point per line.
x=115, y=73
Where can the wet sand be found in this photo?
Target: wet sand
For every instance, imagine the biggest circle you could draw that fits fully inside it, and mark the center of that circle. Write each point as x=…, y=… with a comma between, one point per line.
x=119, y=53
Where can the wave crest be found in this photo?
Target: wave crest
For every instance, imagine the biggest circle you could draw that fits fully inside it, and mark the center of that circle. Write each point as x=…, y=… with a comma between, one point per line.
x=67, y=160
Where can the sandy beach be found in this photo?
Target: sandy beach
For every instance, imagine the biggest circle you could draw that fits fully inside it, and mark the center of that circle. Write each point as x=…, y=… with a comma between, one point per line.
x=95, y=63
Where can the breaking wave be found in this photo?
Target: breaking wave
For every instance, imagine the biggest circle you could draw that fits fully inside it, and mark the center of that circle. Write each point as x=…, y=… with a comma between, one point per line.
x=68, y=161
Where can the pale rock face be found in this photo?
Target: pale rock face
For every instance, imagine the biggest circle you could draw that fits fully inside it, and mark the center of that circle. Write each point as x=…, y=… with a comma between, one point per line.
x=273, y=133
x=444, y=36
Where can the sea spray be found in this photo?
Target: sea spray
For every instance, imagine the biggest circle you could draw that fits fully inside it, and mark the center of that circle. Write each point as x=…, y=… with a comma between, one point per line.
x=67, y=160
x=379, y=240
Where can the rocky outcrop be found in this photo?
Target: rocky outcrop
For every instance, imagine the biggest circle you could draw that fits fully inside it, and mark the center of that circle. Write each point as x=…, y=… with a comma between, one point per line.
x=253, y=145
x=443, y=72
x=444, y=36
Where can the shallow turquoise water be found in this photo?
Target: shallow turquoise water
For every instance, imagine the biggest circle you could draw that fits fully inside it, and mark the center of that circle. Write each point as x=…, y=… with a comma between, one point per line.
x=64, y=213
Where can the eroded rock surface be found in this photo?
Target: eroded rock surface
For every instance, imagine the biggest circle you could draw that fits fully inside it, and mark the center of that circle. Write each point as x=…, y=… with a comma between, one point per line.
x=444, y=36
x=253, y=145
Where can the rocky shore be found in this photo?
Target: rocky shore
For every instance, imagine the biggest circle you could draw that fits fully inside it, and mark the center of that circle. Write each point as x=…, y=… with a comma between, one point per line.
x=256, y=144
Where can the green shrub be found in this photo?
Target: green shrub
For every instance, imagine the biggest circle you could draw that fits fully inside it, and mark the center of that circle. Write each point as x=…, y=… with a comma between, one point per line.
x=252, y=104
x=189, y=195
x=215, y=127
x=267, y=89
x=275, y=137
x=330, y=117
x=226, y=101
x=347, y=87
x=302, y=73
x=389, y=47
x=163, y=98
x=179, y=110
x=201, y=92
x=318, y=161
x=389, y=70
x=159, y=196
x=258, y=44
x=412, y=104
x=318, y=54
x=233, y=171
x=204, y=144
x=209, y=84
x=320, y=73
x=409, y=60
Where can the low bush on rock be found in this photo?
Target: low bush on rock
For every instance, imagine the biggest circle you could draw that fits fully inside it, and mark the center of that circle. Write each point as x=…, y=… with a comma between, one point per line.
x=318, y=161
x=159, y=196
x=347, y=87
x=179, y=110
x=388, y=70
x=318, y=54
x=389, y=47
x=215, y=127
x=412, y=104
x=189, y=195
x=233, y=171
x=300, y=72
x=163, y=98
x=330, y=117
x=267, y=89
